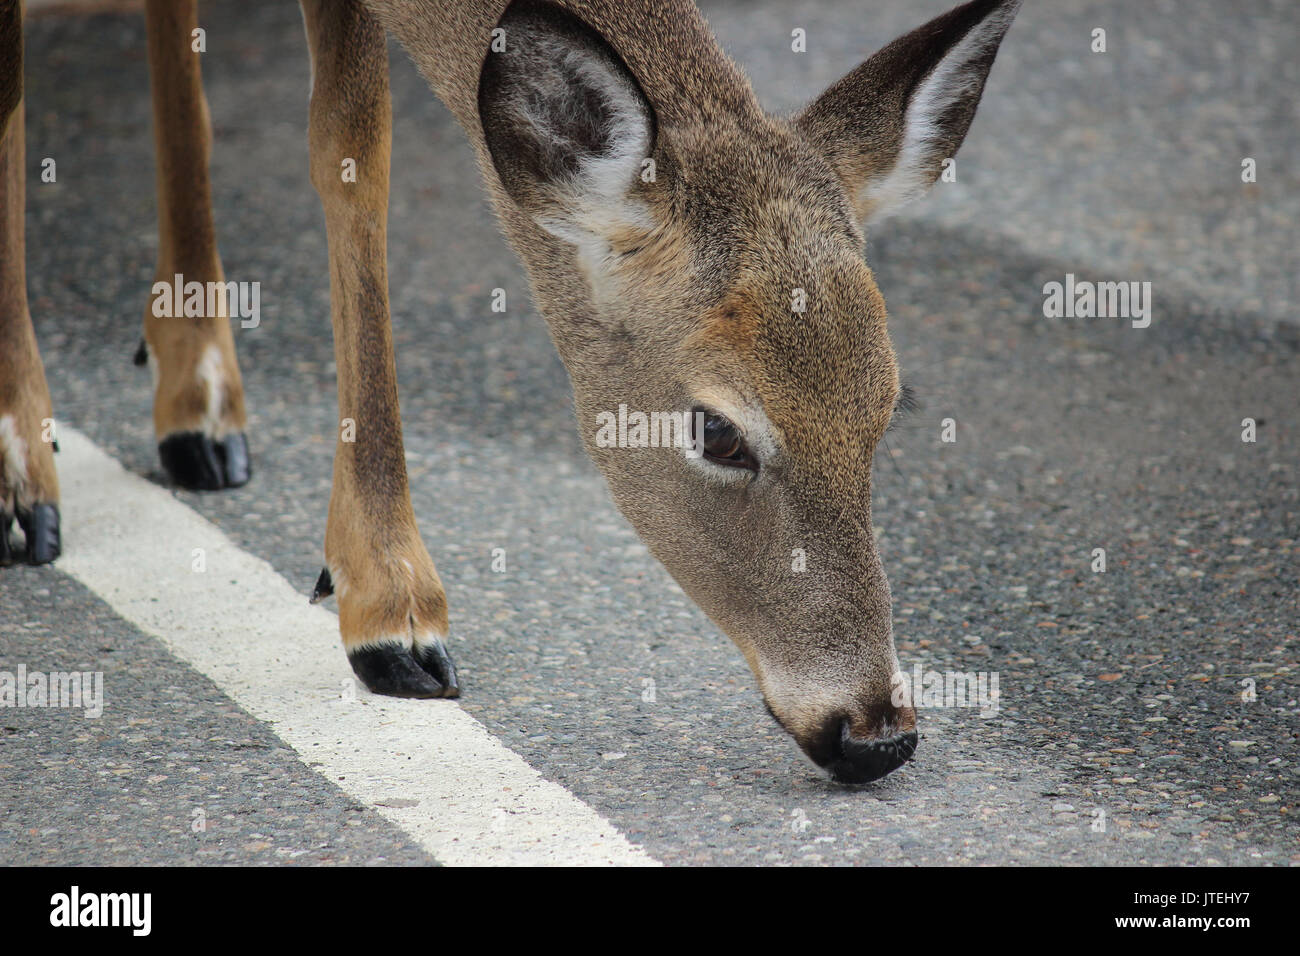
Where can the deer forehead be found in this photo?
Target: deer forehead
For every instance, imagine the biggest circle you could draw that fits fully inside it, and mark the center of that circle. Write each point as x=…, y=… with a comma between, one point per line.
x=805, y=331
x=818, y=386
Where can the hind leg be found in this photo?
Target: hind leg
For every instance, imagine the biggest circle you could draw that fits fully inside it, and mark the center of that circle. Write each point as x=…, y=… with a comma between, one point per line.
x=29, y=487
x=198, y=409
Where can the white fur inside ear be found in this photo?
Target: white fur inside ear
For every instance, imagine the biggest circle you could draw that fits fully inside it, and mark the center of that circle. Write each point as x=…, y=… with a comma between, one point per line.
x=596, y=200
x=955, y=77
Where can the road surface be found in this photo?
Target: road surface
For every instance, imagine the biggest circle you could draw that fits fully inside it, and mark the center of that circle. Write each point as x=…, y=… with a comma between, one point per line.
x=1148, y=714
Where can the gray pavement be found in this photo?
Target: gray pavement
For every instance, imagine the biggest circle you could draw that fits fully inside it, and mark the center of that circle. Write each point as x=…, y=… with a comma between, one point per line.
x=1121, y=692
x=171, y=772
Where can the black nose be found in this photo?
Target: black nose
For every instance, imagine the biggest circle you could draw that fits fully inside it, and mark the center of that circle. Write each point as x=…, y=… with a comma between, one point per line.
x=861, y=761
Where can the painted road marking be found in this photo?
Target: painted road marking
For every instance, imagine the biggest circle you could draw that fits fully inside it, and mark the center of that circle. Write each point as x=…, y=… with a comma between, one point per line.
x=427, y=766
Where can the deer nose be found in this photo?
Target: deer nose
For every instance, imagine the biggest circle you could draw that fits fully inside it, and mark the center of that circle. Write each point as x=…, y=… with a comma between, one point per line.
x=858, y=760
x=886, y=740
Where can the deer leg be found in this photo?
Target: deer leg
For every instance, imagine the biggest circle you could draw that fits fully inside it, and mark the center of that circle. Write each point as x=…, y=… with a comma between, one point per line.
x=392, y=608
x=29, y=487
x=198, y=408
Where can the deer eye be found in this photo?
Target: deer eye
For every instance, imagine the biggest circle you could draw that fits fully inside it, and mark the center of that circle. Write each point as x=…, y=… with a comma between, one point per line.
x=723, y=442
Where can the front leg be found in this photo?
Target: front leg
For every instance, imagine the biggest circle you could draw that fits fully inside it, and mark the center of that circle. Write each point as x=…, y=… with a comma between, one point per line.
x=392, y=607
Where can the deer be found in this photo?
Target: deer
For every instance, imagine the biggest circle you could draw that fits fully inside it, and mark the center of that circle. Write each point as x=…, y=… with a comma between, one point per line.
x=667, y=223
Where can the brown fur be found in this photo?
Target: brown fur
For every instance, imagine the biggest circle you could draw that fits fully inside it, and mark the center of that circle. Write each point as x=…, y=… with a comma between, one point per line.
x=24, y=393
x=187, y=241
x=747, y=208
x=664, y=295
x=384, y=578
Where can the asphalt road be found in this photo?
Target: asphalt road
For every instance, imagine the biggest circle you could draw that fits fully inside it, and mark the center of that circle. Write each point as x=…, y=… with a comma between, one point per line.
x=1121, y=692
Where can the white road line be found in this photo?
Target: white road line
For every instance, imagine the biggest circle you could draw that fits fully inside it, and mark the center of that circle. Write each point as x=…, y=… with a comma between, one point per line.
x=427, y=766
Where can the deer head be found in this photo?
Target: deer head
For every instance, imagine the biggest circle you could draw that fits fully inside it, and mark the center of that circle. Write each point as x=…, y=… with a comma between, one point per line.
x=692, y=253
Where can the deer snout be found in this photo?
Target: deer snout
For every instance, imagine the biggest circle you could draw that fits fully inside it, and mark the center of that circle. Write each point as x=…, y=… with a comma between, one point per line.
x=853, y=759
x=862, y=748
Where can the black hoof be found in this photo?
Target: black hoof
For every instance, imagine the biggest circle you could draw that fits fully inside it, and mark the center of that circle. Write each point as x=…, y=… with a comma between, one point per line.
x=200, y=463
x=40, y=524
x=392, y=670
x=324, y=587
x=435, y=660
x=6, y=549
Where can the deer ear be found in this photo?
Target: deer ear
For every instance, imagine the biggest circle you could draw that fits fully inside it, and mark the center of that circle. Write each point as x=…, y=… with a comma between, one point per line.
x=567, y=126
x=888, y=126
